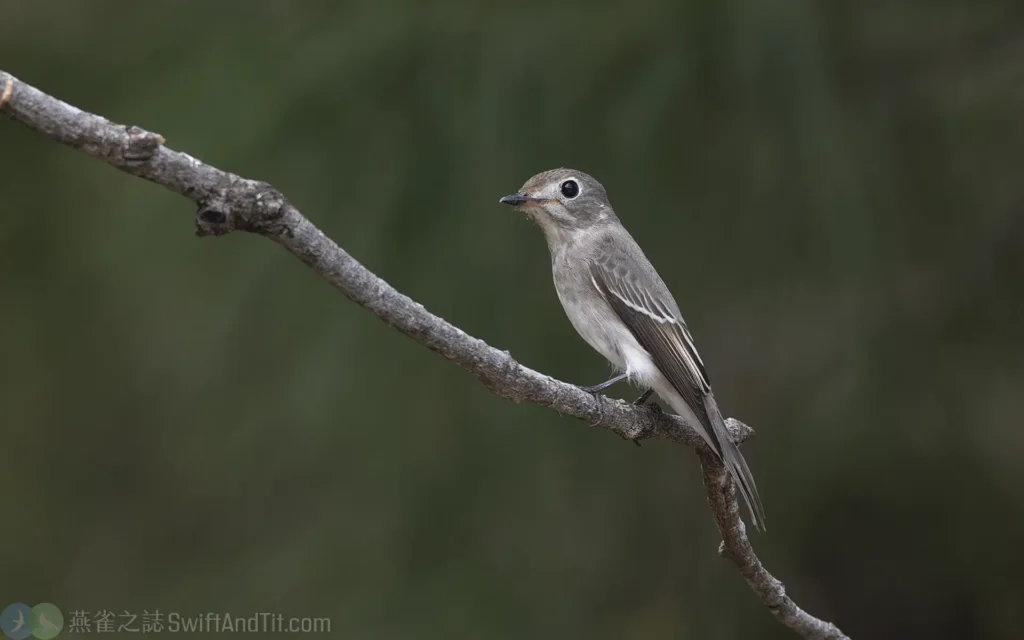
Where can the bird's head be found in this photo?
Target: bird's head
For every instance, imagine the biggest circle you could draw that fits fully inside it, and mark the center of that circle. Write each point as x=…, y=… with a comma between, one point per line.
x=562, y=202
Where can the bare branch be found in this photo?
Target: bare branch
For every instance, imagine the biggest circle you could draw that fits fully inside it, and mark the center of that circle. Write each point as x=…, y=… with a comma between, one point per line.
x=226, y=202
x=736, y=547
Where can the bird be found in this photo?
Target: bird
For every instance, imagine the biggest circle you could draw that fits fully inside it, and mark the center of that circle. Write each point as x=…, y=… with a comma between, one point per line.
x=46, y=623
x=621, y=307
x=20, y=622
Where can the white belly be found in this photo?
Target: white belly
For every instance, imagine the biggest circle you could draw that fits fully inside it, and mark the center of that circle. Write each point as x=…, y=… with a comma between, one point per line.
x=598, y=324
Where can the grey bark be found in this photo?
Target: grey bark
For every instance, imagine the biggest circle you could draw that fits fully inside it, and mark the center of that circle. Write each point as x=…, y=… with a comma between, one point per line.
x=226, y=202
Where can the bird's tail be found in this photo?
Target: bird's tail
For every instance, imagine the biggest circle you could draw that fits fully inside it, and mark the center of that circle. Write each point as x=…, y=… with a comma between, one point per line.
x=734, y=462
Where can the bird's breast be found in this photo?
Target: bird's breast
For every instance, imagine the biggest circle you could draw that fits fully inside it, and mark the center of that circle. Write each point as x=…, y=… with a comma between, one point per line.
x=596, y=321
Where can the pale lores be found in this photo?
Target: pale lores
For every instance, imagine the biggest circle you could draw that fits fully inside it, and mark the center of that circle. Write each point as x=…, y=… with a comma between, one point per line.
x=619, y=304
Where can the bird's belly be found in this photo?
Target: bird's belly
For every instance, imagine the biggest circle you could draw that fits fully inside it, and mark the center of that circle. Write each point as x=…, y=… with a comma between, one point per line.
x=594, y=326
x=608, y=335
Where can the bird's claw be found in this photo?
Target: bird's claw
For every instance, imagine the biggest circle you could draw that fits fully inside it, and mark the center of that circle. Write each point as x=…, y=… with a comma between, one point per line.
x=641, y=401
x=599, y=399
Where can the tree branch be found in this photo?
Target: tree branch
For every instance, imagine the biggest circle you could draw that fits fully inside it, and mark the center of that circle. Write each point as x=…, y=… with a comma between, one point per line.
x=226, y=202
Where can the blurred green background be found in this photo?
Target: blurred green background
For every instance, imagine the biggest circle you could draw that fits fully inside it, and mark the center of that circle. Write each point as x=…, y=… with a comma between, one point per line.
x=832, y=190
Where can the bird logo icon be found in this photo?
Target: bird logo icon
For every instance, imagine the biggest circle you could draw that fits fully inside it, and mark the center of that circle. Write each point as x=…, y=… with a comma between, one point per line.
x=47, y=621
x=19, y=621
x=15, y=621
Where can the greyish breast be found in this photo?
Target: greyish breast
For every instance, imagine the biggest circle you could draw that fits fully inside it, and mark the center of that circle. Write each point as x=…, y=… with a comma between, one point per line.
x=590, y=315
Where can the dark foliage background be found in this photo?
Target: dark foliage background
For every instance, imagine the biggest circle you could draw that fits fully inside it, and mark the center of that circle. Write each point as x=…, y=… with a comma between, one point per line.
x=832, y=190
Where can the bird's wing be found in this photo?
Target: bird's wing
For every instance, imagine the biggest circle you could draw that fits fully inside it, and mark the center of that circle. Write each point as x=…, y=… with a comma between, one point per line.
x=647, y=308
x=642, y=301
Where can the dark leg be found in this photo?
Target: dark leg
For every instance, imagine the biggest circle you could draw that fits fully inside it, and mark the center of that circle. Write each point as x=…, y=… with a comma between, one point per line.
x=599, y=399
x=598, y=388
x=642, y=399
x=639, y=402
x=596, y=392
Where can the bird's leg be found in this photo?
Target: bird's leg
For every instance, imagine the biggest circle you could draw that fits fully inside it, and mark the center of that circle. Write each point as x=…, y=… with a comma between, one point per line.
x=598, y=388
x=639, y=402
x=599, y=399
x=643, y=399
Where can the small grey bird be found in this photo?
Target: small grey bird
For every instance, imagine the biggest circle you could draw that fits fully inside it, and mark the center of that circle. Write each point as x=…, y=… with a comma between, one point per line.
x=619, y=304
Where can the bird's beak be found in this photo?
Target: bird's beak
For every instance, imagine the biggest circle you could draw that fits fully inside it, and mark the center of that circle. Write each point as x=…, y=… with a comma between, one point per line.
x=516, y=199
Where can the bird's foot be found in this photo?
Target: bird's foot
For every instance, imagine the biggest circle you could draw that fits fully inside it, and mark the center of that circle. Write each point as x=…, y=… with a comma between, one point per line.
x=599, y=399
x=641, y=401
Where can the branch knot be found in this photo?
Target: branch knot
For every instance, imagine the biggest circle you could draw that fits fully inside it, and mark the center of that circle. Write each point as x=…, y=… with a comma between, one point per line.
x=244, y=205
x=140, y=145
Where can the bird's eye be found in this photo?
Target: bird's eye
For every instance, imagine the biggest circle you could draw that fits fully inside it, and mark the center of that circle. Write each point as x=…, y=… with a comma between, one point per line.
x=570, y=189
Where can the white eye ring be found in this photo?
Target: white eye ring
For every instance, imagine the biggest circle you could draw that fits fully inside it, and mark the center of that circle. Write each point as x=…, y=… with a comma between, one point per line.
x=570, y=188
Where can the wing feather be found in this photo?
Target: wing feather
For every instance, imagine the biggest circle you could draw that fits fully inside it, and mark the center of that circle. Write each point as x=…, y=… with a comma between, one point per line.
x=658, y=329
x=649, y=312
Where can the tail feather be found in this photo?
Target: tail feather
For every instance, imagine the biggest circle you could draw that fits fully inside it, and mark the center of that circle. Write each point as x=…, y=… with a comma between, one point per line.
x=735, y=463
x=708, y=422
